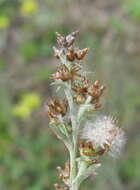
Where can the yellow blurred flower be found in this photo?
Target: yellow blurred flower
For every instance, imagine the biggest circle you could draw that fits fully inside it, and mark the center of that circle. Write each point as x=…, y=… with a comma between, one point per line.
x=31, y=100
x=4, y=22
x=28, y=103
x=21, y=111
x=29, y=7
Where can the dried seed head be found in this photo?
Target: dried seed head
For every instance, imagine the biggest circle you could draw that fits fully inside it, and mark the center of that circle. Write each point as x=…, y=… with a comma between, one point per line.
x=80, y=54
x=62, y=74
x=66, y=41
x=55, y=108
x=95, y=90
x=81, y=89
x=65, y=74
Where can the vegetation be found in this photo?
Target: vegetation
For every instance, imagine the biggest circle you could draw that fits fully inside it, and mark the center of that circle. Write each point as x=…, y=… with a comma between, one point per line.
x=27, y=33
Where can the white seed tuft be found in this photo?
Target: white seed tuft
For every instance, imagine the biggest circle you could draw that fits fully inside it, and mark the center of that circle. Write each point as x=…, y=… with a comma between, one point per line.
x=104, y=131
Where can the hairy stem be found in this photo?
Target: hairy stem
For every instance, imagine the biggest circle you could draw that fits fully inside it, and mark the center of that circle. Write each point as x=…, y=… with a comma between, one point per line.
x=73, y=150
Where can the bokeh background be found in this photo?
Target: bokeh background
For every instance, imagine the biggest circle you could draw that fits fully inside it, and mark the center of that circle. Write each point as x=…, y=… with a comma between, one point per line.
x=29, y=152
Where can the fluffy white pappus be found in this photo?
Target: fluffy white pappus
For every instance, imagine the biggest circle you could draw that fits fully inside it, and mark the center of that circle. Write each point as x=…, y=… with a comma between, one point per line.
x=117, y=144
x=104, y=131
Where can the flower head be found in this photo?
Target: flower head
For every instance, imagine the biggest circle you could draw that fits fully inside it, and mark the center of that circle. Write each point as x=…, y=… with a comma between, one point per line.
x=65, y=74
x=105, y=134
x=66, y=41
x=56, y=107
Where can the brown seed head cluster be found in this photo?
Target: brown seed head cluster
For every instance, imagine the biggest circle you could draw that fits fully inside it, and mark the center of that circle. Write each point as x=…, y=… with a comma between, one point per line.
x=66, y=47
x=76, y=54
x=81, y=86
x=95, y=91
x=55, y=108
x=85, y=89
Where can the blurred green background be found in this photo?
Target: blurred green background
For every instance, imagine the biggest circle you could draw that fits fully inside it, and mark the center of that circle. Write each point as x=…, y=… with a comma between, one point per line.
x=29, y=152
